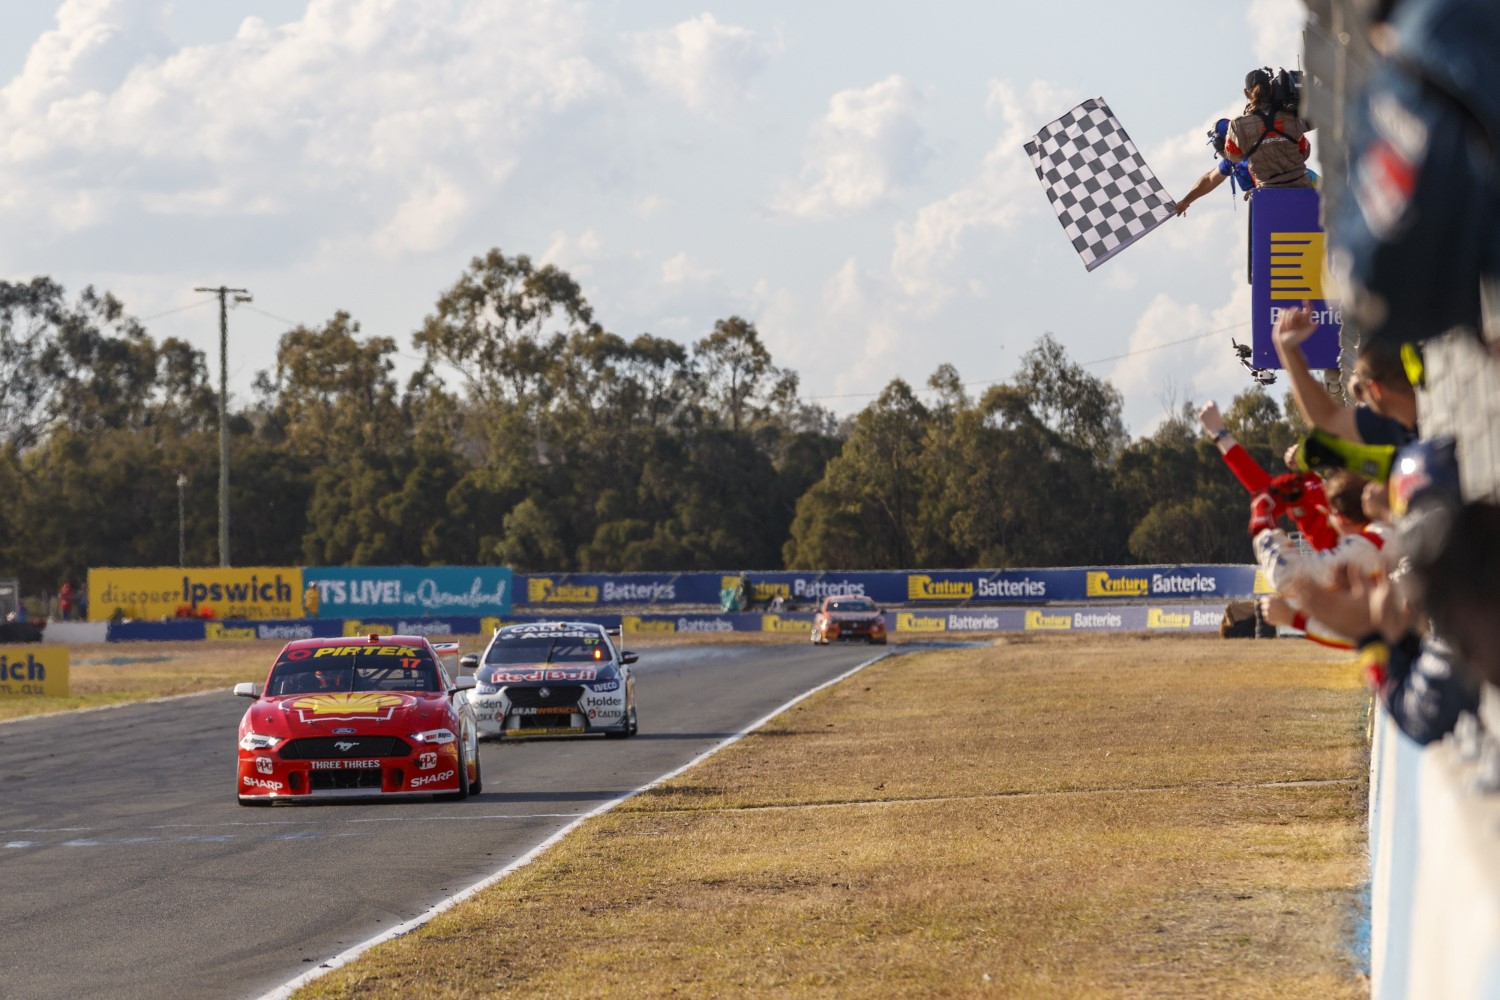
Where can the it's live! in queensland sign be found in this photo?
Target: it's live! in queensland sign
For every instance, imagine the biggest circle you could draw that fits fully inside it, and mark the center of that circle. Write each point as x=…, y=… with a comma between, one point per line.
x=410, y=591
x=252, y=592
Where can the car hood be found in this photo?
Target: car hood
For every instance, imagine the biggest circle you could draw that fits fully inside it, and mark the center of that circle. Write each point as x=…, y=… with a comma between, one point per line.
x=394, y=712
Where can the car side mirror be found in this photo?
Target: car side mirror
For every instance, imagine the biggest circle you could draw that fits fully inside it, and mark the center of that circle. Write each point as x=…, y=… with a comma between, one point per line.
x=465, y=682
x=469, y=661
x=247, y=690
x=628, y=657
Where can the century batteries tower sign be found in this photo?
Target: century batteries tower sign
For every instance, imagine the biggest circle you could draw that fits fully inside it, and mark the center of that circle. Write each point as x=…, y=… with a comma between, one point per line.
x=1288, y=257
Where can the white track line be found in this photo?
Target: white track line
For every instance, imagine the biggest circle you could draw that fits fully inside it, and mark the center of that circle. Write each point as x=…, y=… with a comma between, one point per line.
x=285, y=990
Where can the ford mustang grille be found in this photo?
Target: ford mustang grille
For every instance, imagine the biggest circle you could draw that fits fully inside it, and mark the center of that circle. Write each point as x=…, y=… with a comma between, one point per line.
x=339, y=747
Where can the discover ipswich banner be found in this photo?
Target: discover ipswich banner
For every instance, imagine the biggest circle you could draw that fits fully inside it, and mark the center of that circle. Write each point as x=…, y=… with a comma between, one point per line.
x=33, y=671
x=217, y=592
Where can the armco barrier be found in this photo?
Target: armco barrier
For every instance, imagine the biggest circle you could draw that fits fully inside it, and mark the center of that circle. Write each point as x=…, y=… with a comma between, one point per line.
x=913, y=588
x=1435, y=878
x=189, y=629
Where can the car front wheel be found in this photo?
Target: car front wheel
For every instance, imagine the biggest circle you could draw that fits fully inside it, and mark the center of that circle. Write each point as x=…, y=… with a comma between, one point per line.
x=463, y=786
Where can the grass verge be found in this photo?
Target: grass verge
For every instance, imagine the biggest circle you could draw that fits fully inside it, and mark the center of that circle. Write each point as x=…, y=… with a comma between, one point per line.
x=1048, y=816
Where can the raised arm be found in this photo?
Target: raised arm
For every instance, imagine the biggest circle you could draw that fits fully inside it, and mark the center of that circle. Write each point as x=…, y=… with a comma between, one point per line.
x=1317, y=405
x=1205, y=184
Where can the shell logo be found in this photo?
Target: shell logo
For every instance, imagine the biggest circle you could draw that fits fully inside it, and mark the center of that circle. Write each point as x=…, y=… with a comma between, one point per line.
x=334, y=707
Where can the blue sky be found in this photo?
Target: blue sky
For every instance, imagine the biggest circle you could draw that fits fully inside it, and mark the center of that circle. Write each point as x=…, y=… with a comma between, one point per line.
x=847, y=176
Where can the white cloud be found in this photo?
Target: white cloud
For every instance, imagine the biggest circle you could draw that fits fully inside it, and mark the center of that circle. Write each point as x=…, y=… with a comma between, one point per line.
x=702, y=63
x=679, y=270
x=862, y=152
x=1276, y=31
x=1004, y=188
x=364, y=119
x=651, y=205
x=577, y=256
x=1162, y=361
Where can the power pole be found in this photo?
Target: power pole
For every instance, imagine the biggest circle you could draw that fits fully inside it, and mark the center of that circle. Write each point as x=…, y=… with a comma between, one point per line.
x=240, y=295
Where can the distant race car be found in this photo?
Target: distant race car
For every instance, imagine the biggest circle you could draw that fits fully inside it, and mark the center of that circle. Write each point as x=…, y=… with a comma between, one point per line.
x=372, y=716
x=842, y=619
x=553, y=679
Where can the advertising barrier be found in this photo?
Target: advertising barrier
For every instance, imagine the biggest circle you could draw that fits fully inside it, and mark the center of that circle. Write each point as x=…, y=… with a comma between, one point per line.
x=1051, y=618
x=936, y=588
x=31, y=671
x=410, y=591
x=253, y=592
x=1144, y=618
x=194, y=630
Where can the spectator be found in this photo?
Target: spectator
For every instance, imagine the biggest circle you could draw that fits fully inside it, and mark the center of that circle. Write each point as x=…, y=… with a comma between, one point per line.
x=1301, y=493
x=1272, y=139
x=1284, y=565
x=1386, y=413
x=1425, y=681
x=65, y=601
x=312, y=599
x=1417, y=235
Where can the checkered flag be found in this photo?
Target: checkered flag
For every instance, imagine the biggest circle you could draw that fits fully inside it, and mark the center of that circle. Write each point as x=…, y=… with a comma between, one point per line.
x=1104, y=194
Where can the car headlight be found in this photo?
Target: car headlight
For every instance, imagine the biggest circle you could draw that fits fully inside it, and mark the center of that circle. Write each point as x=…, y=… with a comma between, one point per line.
x=435, y=736
x=258, y=741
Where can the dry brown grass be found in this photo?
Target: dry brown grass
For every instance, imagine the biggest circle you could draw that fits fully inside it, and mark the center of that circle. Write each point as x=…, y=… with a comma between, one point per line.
x=1058, y=816
x=114, y=673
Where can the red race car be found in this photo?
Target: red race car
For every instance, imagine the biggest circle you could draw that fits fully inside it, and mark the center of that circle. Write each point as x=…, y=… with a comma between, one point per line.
x=848, y=618
x=374, y=716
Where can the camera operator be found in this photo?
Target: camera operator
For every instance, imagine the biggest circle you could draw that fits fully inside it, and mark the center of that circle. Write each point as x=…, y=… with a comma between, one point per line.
x=1270, y=136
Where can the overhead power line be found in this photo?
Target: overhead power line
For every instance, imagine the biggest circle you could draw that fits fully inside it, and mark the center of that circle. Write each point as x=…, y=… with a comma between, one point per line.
x=1083, y=364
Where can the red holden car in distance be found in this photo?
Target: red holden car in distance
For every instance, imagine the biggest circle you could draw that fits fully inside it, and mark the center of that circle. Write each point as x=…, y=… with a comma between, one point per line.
x=365, y=716
x=848, y=618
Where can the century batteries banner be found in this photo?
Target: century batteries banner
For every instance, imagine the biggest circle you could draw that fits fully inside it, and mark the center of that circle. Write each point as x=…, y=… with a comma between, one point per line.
x=931, y=588
x=1287, y=261
x=254, y=592
x=28, y=671
x=410, y=591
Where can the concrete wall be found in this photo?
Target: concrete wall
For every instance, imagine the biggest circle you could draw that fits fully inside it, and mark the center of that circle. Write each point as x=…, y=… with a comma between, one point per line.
x=1435, y=864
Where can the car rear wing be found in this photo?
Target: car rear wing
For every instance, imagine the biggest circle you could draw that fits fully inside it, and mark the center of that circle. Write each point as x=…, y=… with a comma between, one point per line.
x=445, y=648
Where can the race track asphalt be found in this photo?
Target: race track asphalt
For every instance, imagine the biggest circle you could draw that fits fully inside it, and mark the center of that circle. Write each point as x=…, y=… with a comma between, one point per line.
x=127, y=869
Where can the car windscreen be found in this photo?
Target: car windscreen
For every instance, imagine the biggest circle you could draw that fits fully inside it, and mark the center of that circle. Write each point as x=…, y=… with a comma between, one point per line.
x=852, y=604
x=573, y=647
x=361, y=667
